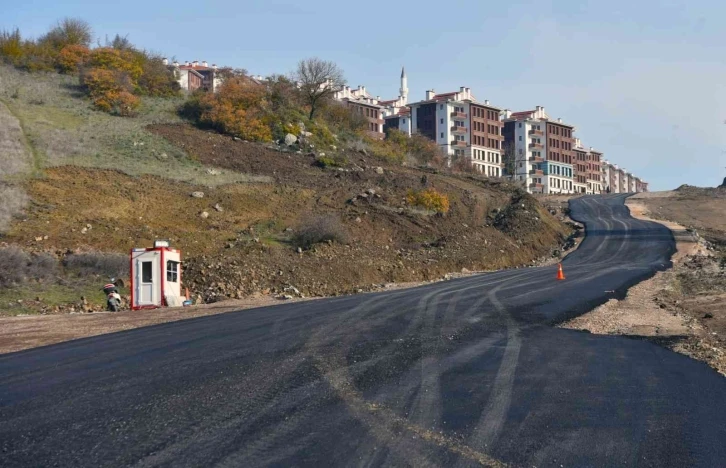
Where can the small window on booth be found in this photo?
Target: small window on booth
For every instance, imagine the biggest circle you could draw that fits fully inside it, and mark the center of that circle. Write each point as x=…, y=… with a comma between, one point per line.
x=172, y=271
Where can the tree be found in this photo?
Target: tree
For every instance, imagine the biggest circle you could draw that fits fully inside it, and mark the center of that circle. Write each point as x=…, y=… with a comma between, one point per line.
x=68, y=31
x=508, y=159
x=11, y=46
x=318, y=81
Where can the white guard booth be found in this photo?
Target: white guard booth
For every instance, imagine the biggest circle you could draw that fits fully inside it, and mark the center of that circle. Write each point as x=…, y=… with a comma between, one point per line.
x=156, y=277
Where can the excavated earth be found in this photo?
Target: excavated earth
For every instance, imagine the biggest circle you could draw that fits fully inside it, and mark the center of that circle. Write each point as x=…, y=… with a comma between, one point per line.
x=238, y=240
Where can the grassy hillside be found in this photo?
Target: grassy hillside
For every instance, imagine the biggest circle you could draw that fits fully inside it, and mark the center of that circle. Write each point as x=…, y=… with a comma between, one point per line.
x=61, y=128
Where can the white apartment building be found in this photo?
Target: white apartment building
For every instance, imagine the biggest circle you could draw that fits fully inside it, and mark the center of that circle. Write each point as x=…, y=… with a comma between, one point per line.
x=463, y=127
x=543, y=151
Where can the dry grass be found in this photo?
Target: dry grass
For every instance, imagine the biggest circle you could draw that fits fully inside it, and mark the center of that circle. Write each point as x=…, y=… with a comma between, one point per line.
x=61, y=128
x=126, y=212
x=17, y=267
x=13, y=200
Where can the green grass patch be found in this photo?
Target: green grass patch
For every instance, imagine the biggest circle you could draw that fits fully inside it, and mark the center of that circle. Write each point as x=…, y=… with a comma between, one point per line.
x=22, y=300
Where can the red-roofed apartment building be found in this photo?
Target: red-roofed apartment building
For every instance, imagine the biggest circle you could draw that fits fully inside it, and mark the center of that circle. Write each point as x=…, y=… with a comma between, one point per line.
x=543, y=151
x=194, y=75
x=462, y=127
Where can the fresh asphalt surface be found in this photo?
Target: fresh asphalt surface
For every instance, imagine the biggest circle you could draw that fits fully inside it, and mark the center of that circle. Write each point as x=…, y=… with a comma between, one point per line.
x=456, y=373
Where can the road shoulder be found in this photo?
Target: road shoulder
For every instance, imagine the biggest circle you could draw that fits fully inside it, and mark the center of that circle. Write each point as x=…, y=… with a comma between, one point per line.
x=657, y=309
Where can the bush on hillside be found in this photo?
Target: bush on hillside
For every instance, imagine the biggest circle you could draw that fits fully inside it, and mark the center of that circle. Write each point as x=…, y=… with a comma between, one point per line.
x=428, y=199
x=398, y=147
x=236, y=109
x=11, y=47
x=111, y=265
x=110, y=91
x=112, y=75
x=72, y=57
x=320, y=229
x=17, y=266
x=12, y=202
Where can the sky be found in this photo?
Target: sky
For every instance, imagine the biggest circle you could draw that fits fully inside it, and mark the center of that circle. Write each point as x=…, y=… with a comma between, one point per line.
x=644, y=82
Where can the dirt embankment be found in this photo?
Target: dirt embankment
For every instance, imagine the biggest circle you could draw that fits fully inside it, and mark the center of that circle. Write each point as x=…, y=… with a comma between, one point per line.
x=683, y=308
x=239, y=239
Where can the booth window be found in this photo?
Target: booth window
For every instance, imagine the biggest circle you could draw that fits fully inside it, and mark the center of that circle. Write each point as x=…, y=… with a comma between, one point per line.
x=172, y=271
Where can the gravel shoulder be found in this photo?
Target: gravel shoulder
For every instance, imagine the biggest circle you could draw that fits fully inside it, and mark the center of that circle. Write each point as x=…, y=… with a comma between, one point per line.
x=665, y=309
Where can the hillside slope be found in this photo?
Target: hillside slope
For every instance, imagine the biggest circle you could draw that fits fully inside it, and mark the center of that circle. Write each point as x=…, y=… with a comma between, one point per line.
x=131, y=181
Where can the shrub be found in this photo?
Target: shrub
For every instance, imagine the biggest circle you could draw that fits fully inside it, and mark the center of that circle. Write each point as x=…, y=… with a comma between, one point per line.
x=156, y=79
x=98, y=263
x=236, y=109
x=398, y=147
x=11, y=46
x=72, y=57
x=337, y=160
x=320, y=229
x=17, y=266
x=428, y=199
x=110, y=91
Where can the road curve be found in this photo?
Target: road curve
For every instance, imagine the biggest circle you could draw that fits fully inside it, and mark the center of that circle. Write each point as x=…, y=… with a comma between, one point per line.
x=461, y=373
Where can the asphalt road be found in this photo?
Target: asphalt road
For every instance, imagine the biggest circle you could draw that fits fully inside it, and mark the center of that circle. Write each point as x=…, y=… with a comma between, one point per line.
x=458, y=373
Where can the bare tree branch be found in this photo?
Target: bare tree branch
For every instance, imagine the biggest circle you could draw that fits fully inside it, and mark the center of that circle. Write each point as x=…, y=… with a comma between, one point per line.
x=318, y=81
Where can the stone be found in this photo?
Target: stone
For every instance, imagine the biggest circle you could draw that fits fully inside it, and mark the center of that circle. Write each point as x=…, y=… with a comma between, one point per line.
x=358, y=220
x=290, y=139
x=370, y=191
x=322, y=155
x=218, y=207
x=299, y=250
x=197, y=194
x=84, y=230
x=204, y=215
x=235, y=138
x=465, y=270
x=379, y=170
x=213, y=172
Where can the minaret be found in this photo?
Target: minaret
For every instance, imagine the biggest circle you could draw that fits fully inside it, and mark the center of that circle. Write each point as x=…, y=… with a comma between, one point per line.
x=404, y=87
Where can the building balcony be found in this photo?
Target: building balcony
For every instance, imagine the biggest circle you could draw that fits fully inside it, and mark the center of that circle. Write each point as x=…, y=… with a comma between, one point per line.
x=535, y=185
x=459, y=130
x=536, y=159
x=539, y=172
x=536, y=132
x=458, y=143
x=459, y=115
x=535, y=146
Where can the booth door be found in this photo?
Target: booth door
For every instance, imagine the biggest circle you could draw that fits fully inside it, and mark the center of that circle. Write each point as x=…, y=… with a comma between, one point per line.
x=146, y=279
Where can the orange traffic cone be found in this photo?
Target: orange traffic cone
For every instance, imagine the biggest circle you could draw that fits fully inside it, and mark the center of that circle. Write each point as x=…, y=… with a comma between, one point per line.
x=560, y=273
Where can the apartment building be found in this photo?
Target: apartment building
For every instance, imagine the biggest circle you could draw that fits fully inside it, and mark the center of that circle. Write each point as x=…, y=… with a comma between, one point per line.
x=462, y=127
x=192, y=76
x=594, y=172
x=401, y=120
x=543, y=151
x=580, y=167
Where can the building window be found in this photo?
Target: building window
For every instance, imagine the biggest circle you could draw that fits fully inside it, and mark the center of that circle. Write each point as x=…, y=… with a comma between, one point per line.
x=172, y=271
x=520, y=137
x=404, y=121
x=442, y=134
x=441, y=121
x=441, y=107
x=520, y=124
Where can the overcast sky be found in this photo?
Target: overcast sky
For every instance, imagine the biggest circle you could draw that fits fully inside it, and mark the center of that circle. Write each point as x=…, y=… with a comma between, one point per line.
x=645, y=84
